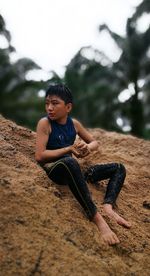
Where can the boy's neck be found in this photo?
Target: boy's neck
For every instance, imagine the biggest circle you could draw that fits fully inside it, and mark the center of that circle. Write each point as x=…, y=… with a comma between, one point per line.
x=62, y=121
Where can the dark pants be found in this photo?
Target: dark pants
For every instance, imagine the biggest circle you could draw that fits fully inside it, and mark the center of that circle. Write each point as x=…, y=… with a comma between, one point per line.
x=67, y=171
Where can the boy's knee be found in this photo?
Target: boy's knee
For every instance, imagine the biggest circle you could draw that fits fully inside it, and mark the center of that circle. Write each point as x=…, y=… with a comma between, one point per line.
x=70, y=161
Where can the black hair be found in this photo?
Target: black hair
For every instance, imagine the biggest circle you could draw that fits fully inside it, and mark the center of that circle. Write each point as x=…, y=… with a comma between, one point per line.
x=60, y=90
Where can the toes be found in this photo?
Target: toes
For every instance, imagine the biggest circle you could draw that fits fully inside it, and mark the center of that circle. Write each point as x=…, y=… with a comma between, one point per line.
x=127, y=224
x=116, y=240
x=124, y=223
x=111, y=239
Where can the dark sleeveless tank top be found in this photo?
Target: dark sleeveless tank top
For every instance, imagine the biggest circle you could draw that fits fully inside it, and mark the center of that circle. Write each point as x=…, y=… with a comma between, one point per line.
x=61, y=135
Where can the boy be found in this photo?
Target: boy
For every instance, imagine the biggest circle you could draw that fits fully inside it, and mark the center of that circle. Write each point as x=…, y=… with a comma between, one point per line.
x=55, y=145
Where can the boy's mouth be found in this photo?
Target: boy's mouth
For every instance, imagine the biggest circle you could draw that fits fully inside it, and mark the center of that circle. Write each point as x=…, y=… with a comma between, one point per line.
x=51, y=114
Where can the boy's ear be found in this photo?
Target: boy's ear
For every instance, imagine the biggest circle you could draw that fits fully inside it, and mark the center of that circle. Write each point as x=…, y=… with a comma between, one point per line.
x=69, y=107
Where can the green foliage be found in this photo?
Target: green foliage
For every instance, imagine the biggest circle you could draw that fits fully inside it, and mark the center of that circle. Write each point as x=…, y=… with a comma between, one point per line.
x=131, y=67
x=94, y=98
x=19, y=100
x=98, y=87
x=94, y=79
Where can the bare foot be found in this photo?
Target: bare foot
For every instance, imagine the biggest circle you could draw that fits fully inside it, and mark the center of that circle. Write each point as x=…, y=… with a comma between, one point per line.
x=112, y=214
x=107, y=235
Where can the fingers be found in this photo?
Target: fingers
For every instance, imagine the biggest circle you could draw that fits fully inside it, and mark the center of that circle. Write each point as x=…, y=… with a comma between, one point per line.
x=75, y=152
x=81, y=145
x=79, y=154
x=82, y=148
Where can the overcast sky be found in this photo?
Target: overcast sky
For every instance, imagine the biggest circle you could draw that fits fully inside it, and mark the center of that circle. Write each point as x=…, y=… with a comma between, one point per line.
x=52, y=31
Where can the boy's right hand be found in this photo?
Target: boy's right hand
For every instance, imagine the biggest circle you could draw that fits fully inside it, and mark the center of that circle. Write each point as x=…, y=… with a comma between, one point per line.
x=74, y=151
x=80, y=149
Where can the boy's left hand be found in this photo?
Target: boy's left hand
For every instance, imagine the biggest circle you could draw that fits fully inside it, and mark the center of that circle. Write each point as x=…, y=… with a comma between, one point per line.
x=82, y=148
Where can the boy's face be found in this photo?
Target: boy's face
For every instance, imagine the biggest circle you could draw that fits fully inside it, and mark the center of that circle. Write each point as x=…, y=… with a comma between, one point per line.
x=56, y=108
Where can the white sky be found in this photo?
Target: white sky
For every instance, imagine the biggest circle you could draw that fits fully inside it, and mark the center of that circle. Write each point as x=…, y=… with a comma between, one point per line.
x=52, y=31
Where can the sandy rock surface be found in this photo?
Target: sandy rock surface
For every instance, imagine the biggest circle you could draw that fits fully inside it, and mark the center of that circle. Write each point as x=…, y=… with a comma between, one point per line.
x=43, y=230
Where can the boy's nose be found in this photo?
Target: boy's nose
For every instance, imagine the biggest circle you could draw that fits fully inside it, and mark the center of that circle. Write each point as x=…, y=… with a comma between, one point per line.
x=50, y=107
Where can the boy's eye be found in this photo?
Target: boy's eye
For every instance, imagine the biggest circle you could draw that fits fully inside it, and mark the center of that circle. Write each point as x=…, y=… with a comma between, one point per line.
x=54, y=103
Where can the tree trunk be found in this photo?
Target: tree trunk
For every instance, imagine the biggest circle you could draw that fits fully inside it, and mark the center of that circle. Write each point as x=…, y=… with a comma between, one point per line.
x=137, y=118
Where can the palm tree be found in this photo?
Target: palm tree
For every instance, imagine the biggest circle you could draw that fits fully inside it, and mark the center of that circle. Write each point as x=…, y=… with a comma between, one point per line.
x=19, y=100
x=131, y=67
x=94, y=98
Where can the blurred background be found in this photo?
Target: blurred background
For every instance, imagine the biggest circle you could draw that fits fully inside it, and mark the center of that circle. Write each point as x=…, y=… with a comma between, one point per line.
x=100, y=49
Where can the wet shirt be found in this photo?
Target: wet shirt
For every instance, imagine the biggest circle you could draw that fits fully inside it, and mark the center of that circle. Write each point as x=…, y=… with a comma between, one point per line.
x=61, y=136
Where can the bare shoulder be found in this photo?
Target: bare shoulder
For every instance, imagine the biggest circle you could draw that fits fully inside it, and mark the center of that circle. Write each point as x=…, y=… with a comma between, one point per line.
x=44, y=125
x=77, y=124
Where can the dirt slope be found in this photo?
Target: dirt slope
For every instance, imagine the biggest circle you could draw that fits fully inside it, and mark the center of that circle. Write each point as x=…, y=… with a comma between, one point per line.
x=43, y=230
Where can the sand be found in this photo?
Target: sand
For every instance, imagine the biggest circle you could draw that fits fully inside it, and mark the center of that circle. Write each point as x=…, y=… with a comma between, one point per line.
x=43, y=229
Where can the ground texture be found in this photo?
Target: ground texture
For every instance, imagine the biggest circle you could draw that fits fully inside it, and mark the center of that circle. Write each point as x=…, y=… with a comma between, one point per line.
x=43, y=230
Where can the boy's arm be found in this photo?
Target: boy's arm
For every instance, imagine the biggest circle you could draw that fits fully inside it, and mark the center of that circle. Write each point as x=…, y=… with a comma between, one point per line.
x=90, y=143
x=41, y=153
